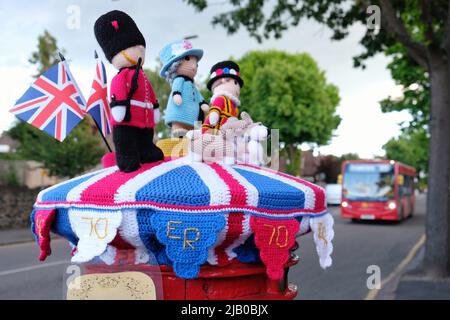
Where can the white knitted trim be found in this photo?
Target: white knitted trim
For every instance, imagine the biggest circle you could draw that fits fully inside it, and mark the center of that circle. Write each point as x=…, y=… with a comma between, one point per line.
x=310, y=197
x=233, y=98
x=127, y=192
x=257, y=213
x=323, y=232
x=129, y=231
x=41, y=194
x=95, y=230
x=109, y=256
x=75, y=193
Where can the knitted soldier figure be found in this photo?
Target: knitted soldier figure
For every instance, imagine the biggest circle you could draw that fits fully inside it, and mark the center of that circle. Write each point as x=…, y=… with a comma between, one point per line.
x=225, y=84
x=134, y=107
x=185, y=104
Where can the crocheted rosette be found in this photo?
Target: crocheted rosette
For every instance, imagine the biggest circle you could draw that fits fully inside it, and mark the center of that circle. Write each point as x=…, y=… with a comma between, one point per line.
x=185, y=214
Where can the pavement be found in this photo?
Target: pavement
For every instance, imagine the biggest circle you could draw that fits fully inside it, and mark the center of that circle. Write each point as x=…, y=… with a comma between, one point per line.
x=358, y=247
x=13, y=236
x=414, y=285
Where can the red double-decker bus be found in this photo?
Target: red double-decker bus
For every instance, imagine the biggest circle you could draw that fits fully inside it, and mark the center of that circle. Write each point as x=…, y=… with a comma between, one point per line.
x=377, y=190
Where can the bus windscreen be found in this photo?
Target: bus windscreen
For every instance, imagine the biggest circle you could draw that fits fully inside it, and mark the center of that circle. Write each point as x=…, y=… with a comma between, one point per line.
x=369, y=182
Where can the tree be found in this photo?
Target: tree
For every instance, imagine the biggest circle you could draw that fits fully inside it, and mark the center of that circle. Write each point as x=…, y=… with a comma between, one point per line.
x=288, y=92
x=331, y=165
x=46, y=54
x=162, y=91
x=349, y=156
x=422, y=29
x=410, y=148
x=81, y=150
x=416, y=89
x=78, y=152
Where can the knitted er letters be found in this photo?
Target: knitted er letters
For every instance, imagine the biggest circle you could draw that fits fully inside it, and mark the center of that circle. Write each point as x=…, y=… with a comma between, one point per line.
x=187, y=239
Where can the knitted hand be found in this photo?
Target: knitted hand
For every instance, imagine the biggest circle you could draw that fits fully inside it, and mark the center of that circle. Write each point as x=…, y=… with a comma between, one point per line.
x=205, y=107
x=213, y=118
x=156, y=115
x=118, y=113
x=177, y=99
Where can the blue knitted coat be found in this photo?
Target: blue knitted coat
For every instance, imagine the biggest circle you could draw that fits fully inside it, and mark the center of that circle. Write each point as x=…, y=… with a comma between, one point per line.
x=188, y=112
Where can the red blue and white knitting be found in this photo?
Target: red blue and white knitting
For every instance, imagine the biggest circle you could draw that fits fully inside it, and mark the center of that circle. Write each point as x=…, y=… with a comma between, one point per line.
x=185, y=214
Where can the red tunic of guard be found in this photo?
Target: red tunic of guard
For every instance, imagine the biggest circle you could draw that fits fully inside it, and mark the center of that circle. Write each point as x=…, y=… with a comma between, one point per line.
x=142, y=102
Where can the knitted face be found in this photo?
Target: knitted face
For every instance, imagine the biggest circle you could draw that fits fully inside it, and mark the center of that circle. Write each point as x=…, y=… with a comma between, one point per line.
x=188, y=67
x=129, y=57
x=229, y=85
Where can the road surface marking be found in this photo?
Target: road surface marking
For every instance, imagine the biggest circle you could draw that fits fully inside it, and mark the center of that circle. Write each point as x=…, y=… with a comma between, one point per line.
x=372, y=294
x=39, y=266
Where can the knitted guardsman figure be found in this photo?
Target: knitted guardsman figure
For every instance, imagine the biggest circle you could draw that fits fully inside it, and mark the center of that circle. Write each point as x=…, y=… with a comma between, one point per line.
x=185, y=105
x=134, y=107
x=225, y=84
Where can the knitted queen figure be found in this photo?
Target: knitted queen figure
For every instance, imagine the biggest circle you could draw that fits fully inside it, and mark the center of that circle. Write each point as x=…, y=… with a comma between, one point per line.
x=225, y=84
x=134, y=107
x=185, y=104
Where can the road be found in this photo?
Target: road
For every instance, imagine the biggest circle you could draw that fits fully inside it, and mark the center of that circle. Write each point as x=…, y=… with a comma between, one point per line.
x=356, y=246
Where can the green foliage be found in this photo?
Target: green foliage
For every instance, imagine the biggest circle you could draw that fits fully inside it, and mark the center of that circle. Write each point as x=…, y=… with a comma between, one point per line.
x=80, y=151
x=162, y=91
x=10, y=178
x=288, y=92
x=410, y=148
x=46, y=54
x=293, y=156
x=10, y=156
x=264, y=19
x=349, y=156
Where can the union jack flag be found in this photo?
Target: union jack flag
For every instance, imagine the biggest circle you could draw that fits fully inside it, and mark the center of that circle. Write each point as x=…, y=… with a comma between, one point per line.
x=97, y=105
x=53, y=103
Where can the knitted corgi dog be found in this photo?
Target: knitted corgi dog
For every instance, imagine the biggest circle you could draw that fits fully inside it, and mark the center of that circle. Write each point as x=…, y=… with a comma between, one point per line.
x=220, y=147
x=134, y=107
x=249, y=145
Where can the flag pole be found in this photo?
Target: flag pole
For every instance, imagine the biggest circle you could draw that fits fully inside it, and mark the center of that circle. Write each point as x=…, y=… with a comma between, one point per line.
x=84, y=101
x=103, y=137
x=96, y=124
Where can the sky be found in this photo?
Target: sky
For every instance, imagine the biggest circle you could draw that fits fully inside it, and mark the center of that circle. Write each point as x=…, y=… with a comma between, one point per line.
x=363, y=129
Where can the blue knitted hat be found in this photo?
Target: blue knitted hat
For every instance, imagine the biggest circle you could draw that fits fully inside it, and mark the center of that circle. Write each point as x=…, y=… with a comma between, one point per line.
x=175, y=51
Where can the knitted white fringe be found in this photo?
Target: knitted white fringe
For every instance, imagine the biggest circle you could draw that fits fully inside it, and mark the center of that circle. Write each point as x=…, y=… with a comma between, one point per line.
x=323, y=232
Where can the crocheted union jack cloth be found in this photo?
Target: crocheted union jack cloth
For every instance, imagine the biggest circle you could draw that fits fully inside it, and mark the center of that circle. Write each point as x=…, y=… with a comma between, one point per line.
x=185, y=214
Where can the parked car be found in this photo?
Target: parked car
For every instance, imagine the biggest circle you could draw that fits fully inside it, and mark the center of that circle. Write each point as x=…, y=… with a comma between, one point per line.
x=334, y=193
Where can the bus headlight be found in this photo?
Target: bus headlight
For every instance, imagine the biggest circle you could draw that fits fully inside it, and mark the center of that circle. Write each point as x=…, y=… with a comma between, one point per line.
x=344, y=204
x=392, y=205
